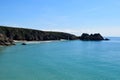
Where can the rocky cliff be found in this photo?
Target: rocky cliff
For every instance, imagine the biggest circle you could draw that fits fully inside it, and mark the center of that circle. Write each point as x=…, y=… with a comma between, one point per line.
x=31, y=35
x=5, y=41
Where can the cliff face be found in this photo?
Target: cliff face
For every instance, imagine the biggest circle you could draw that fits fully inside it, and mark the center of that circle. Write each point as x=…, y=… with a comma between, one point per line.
x=31, y=35
x=5, y=41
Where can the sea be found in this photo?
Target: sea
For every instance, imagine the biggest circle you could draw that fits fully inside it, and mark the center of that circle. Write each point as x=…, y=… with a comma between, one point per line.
x=61, y=60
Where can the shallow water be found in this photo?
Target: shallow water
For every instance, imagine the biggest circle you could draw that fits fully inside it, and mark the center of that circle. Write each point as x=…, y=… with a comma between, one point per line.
x=61, y=60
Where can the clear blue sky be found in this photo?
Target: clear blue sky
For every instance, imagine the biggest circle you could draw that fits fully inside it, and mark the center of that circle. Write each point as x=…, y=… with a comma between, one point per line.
x=74, y=16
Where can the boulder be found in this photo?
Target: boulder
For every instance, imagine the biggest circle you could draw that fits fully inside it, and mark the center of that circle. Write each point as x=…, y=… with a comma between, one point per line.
x=23, y=44
x=106, y=39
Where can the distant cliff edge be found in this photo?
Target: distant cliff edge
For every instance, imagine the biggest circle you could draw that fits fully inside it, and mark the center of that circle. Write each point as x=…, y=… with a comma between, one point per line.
x=8, y=34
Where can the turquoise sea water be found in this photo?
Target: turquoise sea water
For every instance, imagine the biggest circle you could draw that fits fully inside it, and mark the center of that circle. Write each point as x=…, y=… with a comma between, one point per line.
x=61, y=60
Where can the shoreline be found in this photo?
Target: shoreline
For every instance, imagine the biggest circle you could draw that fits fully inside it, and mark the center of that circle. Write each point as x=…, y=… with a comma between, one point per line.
x=24, y=41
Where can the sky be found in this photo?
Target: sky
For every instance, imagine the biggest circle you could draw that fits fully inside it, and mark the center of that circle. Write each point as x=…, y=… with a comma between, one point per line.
x=72, y=16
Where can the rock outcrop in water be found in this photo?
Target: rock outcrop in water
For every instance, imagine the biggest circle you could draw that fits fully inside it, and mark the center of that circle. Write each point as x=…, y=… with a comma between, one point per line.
x=91, y=37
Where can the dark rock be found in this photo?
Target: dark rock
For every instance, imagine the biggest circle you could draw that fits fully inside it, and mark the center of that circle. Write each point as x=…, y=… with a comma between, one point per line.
x=106, y=39
x=84, y=36
x=91, y=37
x=4, y=41
x=24, y=44
x=96, y=36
